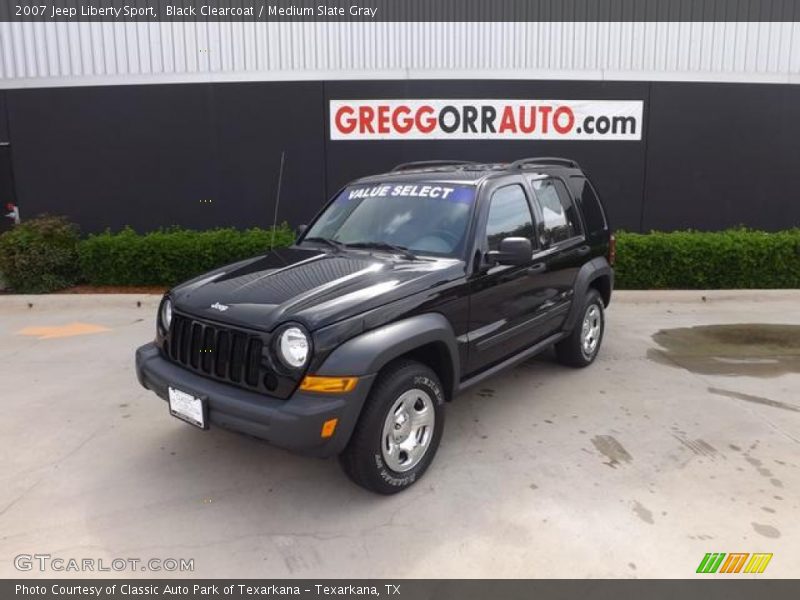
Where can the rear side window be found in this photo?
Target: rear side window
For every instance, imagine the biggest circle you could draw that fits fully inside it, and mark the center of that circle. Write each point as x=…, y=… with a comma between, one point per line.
x=593, y=214
x=509, y=216
x=560, y=216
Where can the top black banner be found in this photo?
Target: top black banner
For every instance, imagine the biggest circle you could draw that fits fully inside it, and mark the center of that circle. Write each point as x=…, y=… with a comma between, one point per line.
x=399, y=10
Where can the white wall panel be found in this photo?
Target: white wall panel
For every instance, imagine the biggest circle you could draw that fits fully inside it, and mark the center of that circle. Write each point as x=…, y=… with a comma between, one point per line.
x=794, y=54
x=56, y=54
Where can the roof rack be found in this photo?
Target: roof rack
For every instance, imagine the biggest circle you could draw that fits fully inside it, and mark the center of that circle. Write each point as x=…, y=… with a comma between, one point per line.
x=544, y=160
x=419, y=164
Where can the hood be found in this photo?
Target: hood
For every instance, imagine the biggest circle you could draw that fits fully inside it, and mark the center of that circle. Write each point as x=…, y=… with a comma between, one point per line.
x=309, y=286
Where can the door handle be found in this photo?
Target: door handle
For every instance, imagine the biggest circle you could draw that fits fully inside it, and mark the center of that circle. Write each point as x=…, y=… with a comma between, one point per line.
x=582, y=250
x=537, y=268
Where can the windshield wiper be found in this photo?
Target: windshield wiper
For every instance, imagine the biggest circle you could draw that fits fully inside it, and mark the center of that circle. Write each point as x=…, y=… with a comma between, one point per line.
x=336, y=245
x=401, y=250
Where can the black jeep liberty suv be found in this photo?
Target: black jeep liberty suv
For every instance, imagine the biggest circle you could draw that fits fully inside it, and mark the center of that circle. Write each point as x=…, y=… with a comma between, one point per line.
x=407, y=288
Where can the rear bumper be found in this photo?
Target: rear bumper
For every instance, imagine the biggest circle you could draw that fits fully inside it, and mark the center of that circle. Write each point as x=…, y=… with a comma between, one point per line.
x=294, y=423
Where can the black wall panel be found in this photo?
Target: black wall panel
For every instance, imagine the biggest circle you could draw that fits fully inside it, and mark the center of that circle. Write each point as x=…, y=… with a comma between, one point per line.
x=253, y=124
x=150, y=156
x=722, y=155
x=6, y=172
x=6, y=187
x=4, y=137
x=153, y=156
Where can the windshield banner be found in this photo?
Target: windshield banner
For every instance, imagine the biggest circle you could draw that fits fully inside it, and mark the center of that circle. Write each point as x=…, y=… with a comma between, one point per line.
x=486, y=119
x=444, y=192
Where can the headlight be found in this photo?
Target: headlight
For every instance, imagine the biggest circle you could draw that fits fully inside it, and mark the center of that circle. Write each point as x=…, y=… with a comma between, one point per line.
x=166, y=313
x=293, y=347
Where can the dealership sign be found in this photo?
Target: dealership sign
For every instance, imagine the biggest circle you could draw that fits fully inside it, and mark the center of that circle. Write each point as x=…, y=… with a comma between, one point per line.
x=486, y=119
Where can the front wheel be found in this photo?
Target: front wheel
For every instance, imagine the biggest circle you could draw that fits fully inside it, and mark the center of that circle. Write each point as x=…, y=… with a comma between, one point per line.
x=580, y=347
x=397, y=436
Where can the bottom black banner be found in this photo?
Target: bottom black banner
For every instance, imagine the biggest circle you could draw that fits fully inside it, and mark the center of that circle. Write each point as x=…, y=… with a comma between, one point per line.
x=308, y=589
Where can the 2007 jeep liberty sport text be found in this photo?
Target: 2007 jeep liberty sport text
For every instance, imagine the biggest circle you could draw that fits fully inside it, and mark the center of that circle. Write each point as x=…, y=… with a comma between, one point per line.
x=407, y=288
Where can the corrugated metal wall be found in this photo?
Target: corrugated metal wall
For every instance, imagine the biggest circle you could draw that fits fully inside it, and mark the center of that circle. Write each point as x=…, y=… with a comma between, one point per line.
x=59, y=54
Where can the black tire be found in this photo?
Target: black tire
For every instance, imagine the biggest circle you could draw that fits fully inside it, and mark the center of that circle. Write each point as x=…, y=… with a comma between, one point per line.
x=571, y=351
x=363, y=459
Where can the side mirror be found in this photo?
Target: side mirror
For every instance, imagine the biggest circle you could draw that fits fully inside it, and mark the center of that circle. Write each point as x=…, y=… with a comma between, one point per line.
x=512, y=251
x=301, y=229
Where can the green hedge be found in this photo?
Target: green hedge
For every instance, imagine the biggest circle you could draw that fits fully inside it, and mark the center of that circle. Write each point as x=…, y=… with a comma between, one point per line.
x=736, y=258
x=171, y=256
x=40, y=255
x=46, y=254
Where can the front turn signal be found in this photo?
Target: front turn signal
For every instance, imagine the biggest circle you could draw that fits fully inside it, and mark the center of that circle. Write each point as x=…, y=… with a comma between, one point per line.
x=328, y=428
x=328, y=385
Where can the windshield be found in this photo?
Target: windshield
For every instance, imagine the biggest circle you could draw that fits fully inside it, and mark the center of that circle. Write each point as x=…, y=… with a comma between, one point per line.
x=424, y=218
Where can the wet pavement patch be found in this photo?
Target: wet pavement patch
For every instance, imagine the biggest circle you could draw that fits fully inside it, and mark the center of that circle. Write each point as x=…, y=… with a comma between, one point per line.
x=766, y=530
x=609, y=447
x=752, y=349
x=643, y=513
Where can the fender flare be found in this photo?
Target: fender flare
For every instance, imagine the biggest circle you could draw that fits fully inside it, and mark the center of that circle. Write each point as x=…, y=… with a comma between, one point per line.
x=589, y=272
x=369, y=352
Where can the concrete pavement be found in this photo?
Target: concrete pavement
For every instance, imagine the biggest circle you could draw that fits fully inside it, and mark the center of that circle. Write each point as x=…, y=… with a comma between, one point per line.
x=634, y=467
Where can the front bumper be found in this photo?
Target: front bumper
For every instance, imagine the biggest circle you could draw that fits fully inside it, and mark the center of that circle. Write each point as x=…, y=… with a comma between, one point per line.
x=294, y=423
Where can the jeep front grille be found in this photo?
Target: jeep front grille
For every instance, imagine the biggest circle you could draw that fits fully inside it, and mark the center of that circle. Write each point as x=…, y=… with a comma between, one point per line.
x=231, y=355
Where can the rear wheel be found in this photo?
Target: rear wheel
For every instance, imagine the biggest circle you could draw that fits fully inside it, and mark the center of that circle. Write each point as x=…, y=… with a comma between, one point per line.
x=398, y=433
x=580, y=347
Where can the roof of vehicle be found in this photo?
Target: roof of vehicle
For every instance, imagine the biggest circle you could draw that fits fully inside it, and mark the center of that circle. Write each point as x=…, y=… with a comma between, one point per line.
x=468, y=173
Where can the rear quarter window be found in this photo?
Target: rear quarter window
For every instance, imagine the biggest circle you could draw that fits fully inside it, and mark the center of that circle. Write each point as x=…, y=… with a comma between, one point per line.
x=593, y=215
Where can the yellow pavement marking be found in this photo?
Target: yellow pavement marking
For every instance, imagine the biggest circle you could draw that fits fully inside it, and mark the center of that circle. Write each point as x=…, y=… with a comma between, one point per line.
x=59, y=331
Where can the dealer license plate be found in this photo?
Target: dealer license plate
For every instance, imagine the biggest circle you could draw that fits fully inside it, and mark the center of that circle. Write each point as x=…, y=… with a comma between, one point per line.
x=187, y=407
